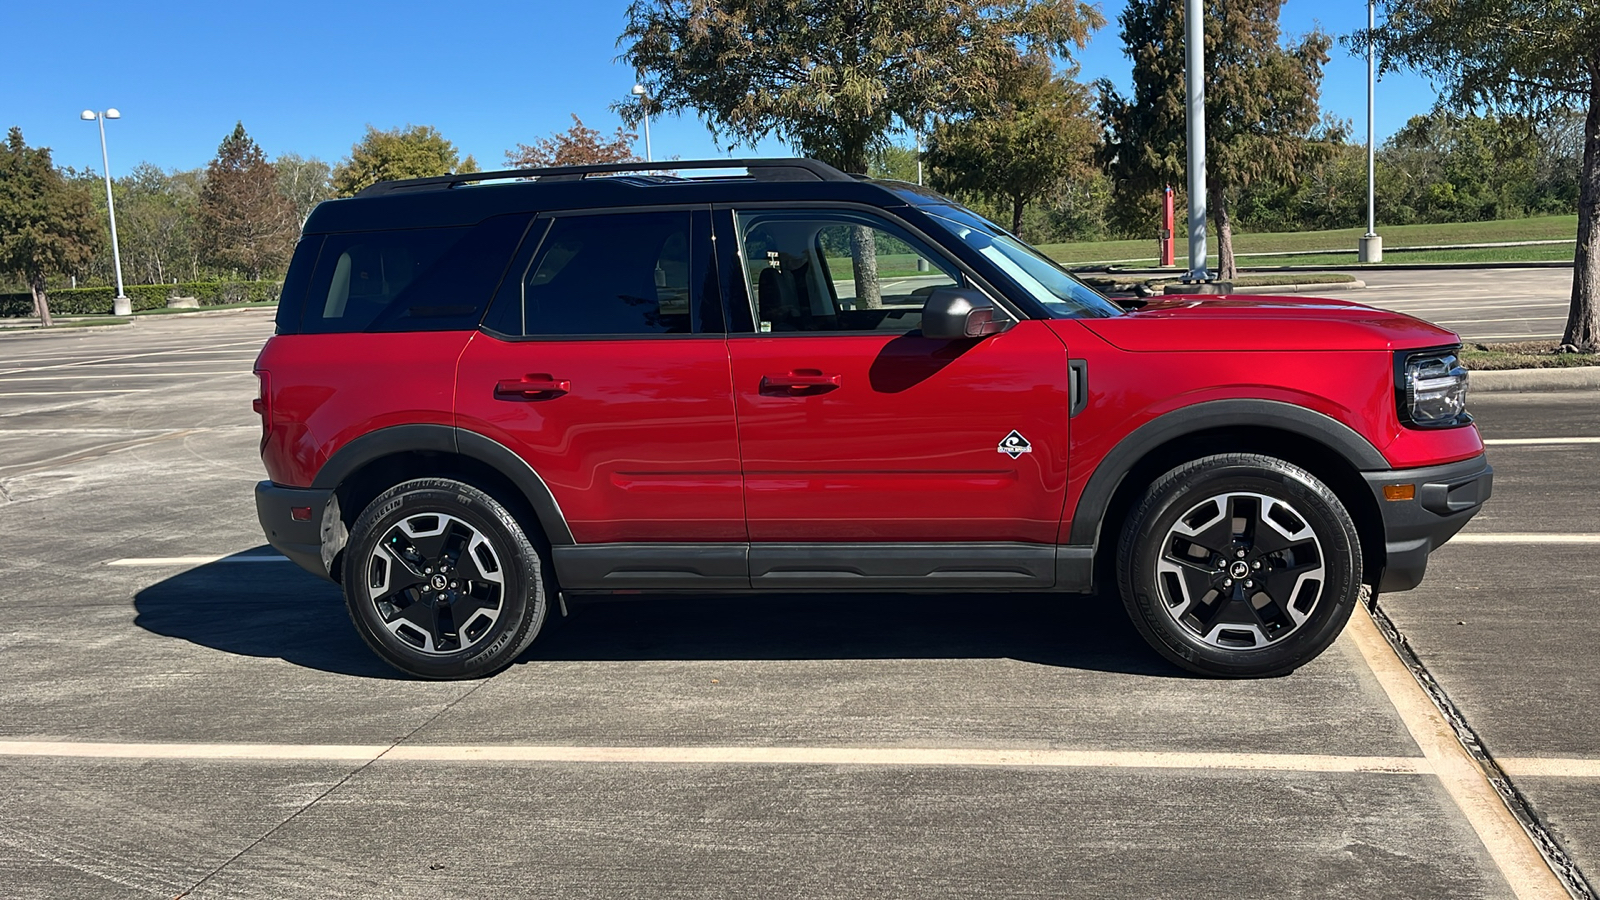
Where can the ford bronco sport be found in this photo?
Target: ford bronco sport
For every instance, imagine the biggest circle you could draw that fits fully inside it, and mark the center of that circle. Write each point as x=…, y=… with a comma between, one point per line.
x=489, y=391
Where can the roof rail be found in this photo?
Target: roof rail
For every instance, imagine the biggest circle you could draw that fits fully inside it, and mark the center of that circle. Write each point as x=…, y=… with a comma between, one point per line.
x=760, y=169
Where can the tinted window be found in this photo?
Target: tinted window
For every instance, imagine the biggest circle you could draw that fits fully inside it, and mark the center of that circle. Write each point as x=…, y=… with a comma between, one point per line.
x=424, y=279
x=293, y=299
x=837, y=271
x=609, y=275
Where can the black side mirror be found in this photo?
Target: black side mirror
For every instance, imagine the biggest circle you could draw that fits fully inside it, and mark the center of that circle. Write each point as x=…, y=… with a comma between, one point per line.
x=953, y=313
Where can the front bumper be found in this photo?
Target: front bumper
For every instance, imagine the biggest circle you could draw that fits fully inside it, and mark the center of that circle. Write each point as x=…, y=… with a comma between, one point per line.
x=300, y=541
x=1446, y=498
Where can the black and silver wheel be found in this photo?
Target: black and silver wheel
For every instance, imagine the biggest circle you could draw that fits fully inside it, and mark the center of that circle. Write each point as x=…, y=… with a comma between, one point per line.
x=1239, y=565
x=441, y=581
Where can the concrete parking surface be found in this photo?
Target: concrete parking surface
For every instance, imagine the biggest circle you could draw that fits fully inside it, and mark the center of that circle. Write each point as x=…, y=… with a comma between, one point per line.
x=187, y=715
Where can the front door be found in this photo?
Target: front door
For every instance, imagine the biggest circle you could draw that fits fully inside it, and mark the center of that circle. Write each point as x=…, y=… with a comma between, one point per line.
x=855, y=428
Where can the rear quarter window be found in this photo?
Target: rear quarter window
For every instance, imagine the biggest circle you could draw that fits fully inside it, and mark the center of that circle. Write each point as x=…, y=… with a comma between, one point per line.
x=420, y=279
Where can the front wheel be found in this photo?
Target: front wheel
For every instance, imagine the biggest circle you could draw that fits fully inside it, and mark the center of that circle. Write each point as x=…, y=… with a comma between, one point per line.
x=441, y=581
x=1240, y=566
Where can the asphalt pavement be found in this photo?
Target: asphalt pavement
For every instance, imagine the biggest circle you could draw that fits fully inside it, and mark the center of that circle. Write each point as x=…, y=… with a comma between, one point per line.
x=1478, y=304
x=186, y=715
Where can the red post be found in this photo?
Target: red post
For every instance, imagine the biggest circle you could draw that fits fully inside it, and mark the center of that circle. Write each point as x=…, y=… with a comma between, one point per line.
x=1168, y=254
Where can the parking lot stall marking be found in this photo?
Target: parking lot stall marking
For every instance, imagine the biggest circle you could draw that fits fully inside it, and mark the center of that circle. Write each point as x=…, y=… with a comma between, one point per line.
x=94, y=452
x=233, y=374
x=105, y=359
x=757, y=756
x=1525, y=442
x=1548, y=767
x=1513, y=851
x=67, y=393
x=1526, y=538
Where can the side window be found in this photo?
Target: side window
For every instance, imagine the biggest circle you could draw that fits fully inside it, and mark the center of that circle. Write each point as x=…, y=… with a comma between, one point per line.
x=611, y=274
x=837, y=271
x=422, y=279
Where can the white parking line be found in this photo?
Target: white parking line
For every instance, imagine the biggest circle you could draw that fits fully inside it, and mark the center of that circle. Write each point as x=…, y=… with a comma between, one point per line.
x=1545, y=767
x=1514, y=442
x=174, y=374
x=1508, y=844
x=105, y=359
x=192, y=560
x=769, y=756
x=1531, y=537
x=69, y=393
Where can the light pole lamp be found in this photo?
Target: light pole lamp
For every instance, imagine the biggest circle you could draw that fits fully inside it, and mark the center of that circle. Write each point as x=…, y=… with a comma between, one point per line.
x=644, y=104
x=120, y=304
x=1371, y=246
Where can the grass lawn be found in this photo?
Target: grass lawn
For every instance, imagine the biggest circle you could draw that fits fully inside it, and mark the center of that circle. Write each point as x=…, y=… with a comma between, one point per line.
x=1523, y=355
x=1544, y=228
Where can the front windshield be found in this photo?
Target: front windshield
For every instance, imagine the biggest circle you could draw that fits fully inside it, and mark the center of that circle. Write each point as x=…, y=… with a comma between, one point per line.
x=1061, y=294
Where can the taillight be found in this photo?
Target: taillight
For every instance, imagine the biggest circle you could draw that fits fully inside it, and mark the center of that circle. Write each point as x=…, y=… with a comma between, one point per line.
x=263, y=402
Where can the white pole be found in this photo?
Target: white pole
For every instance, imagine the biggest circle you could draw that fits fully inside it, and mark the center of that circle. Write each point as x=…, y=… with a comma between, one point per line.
x=111, y=209
x=648, y=157
x=1370, y=247
x=1195, y=38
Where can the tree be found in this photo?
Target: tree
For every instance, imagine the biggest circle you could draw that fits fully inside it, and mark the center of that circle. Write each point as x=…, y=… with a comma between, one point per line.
x=244, y=221
x=157, y=218
x=834, y=77
x=415, y=151
x=579, y=145
x=1531, y=57
x=305, y=181
x=1039, y=135
x=1262, y=117
x=47, y=225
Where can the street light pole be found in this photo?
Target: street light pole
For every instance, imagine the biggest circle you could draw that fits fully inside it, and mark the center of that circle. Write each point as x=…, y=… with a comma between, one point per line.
x=1371, y=245
x=120, y=304
x=1195, y=38
x=644, y=104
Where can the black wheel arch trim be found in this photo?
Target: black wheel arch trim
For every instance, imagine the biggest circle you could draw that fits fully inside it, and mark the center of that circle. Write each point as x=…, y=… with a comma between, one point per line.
x=1209, y=416
x=397, y=439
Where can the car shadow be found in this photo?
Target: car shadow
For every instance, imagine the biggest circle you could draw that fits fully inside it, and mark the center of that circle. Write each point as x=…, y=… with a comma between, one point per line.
x=273, y=609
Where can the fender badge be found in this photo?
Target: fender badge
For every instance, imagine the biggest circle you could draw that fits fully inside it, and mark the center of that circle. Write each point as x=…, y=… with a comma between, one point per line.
x=1014, y=445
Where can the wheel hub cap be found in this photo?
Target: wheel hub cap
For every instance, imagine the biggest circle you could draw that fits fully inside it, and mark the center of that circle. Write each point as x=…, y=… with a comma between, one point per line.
x=436, y=582
x=1240, y=570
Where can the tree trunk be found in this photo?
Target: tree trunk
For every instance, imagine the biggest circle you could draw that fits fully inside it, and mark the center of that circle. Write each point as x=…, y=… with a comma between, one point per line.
x=1583, y=318
x=1226, y=269
x=41, y=303
x=1016, y=215
x=864, y=256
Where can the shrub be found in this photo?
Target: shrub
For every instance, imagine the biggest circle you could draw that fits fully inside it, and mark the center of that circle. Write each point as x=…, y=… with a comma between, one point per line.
x=95, y=301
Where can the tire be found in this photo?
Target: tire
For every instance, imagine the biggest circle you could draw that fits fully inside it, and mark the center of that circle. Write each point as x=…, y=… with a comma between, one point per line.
x=1239, y=566
x=441, y=581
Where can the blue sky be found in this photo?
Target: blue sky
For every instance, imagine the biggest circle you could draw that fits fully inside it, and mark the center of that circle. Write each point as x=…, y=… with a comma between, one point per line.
x=308, y=77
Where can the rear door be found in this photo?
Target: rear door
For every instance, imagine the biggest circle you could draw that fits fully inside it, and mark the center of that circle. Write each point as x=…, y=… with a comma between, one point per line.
x=603, y=363
x=854, y=427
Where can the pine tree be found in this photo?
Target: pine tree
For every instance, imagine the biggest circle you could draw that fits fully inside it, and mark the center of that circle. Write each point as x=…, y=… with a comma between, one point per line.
x=245, y=222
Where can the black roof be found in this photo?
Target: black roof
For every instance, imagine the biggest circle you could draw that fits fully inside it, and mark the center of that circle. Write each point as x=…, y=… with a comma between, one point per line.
x=467, y=199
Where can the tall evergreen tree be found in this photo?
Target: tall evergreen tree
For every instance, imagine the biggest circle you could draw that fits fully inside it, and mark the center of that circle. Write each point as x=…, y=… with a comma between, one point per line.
x=47, y=225
x=1262, y=116
x=244, y=220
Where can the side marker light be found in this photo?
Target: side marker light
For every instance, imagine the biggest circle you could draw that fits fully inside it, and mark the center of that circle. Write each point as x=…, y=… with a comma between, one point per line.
x=300, y=513
x=1399, y=492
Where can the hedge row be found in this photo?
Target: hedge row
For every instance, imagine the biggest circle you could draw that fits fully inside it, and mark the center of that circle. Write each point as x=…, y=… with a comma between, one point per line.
x=92, y=301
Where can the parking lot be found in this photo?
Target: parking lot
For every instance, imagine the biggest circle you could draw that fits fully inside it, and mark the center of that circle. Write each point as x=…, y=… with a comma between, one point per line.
x=187, y=714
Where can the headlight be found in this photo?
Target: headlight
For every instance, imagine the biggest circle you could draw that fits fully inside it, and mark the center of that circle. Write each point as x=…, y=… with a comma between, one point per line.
x=1432, y=390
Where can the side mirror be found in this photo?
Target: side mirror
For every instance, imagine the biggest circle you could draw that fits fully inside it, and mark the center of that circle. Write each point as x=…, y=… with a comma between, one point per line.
x=953, y=313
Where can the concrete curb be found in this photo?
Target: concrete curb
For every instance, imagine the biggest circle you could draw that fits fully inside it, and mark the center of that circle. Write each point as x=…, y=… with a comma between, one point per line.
x=1578, y=378
x=1310, y=288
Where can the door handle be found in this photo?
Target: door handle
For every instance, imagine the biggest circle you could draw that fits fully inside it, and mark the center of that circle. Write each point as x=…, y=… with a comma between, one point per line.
x=800, y=382
x=532, y=387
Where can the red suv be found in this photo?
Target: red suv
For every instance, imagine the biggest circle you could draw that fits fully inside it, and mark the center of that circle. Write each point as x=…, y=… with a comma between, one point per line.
x=489, y=391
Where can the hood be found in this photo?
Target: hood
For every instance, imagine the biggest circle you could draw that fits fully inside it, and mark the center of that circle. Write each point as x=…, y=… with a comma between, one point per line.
x=1242, y=323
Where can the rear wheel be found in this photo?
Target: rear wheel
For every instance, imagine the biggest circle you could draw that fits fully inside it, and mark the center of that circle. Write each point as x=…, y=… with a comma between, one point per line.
x=1239, y=565
x=441, y=581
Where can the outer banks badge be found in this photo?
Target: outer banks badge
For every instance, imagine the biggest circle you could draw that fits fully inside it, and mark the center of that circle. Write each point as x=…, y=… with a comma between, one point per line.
x=1014, y=445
